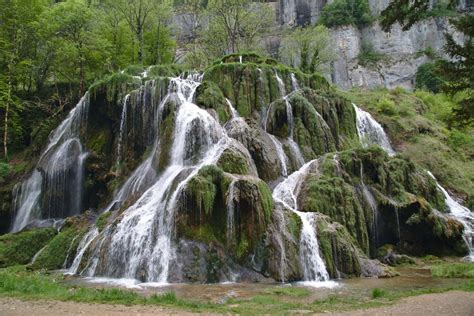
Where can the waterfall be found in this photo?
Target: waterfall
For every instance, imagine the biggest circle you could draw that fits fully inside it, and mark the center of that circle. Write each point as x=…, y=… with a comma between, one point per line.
x=369, y=198
x=233, y=111
x=296, y=152
x=281, y=85
x=286, y=193
x=26, y=201
x=294, y=82
x=463, y=215
x=281, y=155
x=140, y=246
x=54, y=188
x=371, y=132
x=240, y=59
x=230, y=210
x=123, y=126
x=83, y=245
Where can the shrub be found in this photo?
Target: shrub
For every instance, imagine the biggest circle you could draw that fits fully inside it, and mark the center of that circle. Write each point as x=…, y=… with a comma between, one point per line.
x=346, y=12
x=427, y=77
x=368, y=56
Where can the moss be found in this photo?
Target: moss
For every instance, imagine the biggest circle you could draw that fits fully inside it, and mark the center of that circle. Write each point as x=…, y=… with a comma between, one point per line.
x=102, y=220
x=338, y=249
x=233, y=162
x=19, y=248
x=209, y=96
x=170, y=70
x=63, y=245
x=242, y=249
x=266, y=198
x=115, y=84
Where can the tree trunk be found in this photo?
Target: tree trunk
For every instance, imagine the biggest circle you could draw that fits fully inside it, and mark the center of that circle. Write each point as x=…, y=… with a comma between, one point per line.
x=140, y=45
x=5, y=125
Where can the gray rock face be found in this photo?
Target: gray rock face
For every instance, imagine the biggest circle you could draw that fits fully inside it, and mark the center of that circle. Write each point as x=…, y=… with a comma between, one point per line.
x=401, y=51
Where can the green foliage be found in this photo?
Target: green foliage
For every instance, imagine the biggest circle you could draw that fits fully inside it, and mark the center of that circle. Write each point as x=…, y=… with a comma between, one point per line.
x=57, y=250
x=408, y=12
x=420, y=127
x=19, y=248
x=346, y=12
x=368, y=57
x=225, y=27
x=102, y=220
x=378, y=293
x=453, y=270
x=427, y=77
x=308, y=48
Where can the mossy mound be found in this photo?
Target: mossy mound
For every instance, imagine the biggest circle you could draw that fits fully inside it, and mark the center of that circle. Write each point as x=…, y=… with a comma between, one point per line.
x=252, y=87
x=381, y=200
x=338, y=248
x=205, y=205
x=19, y=248
x=61, y=250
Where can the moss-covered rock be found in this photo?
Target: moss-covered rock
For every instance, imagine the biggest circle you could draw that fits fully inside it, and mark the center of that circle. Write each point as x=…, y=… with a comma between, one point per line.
x=61, y=250
x=259, y=145
x=381, y=200
x=209, y=96
x=205, y=205
x=338, y=248
x=19, y=248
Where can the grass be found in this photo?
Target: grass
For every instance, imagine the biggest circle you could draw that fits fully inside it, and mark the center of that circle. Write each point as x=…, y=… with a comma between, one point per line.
x=418, y=125
x=453, y=270
x=17, y=281
x=289, y=291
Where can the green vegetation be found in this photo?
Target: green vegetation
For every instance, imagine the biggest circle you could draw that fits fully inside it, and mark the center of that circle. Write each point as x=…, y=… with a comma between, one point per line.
x=453, y=270
x=19, y=282
x=346, y=12
x=419, y=124
x=309, y=49
x=368, y=57
x=427, y=78
x=19, y=248
x=102, y=220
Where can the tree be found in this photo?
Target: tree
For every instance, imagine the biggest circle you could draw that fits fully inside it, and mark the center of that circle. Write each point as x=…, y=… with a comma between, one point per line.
x=74, y=24
x=308, y=49
x=235, y=24
x=407, y=12
x=346, y=12
x=458, y=72
x=137, y=13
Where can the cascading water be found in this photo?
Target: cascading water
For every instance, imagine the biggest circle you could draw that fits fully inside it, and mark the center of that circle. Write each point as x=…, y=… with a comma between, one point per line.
x=463, y=215
x=54, y=189
x=230, y=210
x=286, y=193
x=371, y=132
x=294, y=82
x=123, y=126
x=233, y=111
x=83, y=245
x=141, y=243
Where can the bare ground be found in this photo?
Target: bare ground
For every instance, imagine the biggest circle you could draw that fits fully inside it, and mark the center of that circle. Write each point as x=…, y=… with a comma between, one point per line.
x=450, y=303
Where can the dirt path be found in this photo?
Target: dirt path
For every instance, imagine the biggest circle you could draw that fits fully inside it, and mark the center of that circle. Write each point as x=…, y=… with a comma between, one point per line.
x=444, y=304
x=451, y=303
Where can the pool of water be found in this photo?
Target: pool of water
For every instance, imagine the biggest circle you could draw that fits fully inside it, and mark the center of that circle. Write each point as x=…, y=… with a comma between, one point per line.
x=409, y=279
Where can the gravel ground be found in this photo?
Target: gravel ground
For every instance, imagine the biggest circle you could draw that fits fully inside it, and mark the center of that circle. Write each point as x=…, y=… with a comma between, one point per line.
x=447, y=304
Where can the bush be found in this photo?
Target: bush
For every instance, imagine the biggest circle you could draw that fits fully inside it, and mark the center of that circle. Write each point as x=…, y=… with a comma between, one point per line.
x=347, y=12
x=368, y=56
x=427, y=77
